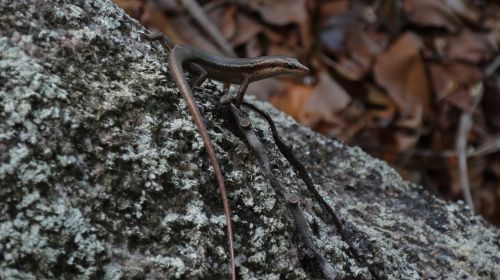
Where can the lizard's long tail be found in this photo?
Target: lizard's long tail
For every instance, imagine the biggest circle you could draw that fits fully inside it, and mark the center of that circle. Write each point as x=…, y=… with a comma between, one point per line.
x=176, y=59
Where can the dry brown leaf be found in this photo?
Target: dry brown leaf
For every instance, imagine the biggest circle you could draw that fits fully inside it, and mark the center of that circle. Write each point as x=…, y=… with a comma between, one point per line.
x=368, y=41
x=491, y=103
x=292, y=99
x=391, y=13
x=486, y=201
x=354, y=112
x=354, y=121
x=224, y=17
x=335, y=29
x=414, y=122
x=382, y=110
x=467, y=74
x=408, y=130
x=477, y=167
x=353, y=47
x=327, y=99
x=470, y=46
x=432, y=13
x=490, y=19
x=248, y=30
x=332, y=8
x=253, y=48
x=191, y=35
x=280, y=50
x=264, y=89
x=167, y=6
x=400, y=70
x=346, y=67
x=455, y=75
x=362, y=49
x=155, y=19
x=464, y=10
x=131, y=7
x=281, y=12
x=461, y=98
x=442, y=81
x=494, y=169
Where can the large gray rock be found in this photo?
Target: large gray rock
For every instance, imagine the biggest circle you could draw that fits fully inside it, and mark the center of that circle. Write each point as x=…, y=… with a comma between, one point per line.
x=103, y=174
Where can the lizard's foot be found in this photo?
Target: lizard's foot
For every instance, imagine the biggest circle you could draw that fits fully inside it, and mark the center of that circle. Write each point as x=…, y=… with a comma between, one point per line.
x=158, y=36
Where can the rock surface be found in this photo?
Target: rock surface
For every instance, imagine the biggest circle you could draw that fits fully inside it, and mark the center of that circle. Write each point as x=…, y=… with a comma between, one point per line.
x=103, y=174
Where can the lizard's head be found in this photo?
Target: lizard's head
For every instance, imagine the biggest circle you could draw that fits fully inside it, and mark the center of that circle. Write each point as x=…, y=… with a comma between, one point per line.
x=290, y=66
x=271, y=66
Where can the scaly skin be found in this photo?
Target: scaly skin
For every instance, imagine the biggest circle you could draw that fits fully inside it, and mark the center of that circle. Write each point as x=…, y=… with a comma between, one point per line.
x=240, y=71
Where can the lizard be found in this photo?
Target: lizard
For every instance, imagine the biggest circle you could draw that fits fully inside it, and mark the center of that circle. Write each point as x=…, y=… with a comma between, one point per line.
x=241, y=71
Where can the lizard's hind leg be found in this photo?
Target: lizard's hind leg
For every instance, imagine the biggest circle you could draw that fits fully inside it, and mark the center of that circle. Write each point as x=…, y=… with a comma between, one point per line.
x=199, y=74
x=168, y=45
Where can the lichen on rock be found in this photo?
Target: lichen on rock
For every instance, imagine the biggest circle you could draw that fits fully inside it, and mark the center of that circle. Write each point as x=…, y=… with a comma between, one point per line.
x=103, y=173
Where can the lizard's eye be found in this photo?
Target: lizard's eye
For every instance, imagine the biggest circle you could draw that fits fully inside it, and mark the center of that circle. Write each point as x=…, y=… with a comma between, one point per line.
x=292, y=66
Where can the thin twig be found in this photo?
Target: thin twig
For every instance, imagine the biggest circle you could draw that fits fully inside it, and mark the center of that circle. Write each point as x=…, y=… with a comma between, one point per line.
x=287, y=152
x=492, y=67
x=291, y=199
x=464, y=128
x=491, y=146
x=199, y=15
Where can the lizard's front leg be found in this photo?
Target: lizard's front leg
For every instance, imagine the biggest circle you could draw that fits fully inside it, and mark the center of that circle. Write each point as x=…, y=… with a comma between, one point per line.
x=241, y=91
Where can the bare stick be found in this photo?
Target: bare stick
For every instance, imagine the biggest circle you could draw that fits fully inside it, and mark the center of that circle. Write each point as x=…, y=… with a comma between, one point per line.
x=208, y=26
x=291, y=199
x=464, y=128
x=489, y=147
x=301, y=171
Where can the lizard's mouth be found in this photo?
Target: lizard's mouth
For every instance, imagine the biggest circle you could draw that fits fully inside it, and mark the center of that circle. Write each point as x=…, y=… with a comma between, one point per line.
x=301, y=69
